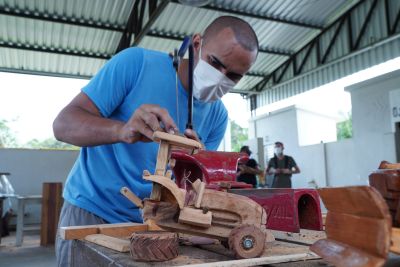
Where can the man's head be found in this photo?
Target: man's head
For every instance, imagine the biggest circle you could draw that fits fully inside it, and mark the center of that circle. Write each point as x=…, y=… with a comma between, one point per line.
x=229, y=45
x=245, y=149
x=278, y=149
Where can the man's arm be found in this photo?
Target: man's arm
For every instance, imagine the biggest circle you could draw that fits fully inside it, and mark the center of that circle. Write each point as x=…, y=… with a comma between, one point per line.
x=293, y=168
x=271, y=169
x=80, y=123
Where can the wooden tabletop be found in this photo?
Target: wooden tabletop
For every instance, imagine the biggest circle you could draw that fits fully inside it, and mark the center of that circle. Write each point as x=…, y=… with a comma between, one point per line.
x=89, y=254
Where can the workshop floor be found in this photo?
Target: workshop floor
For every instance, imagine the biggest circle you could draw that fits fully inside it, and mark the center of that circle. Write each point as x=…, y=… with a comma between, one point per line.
x=29, y=254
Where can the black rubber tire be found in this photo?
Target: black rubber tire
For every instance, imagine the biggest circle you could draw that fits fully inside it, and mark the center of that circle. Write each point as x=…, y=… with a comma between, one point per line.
x=154, y=246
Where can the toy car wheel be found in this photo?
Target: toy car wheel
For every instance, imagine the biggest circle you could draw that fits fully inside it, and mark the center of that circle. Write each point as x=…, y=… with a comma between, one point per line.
x=246, y=241
x=154, y=246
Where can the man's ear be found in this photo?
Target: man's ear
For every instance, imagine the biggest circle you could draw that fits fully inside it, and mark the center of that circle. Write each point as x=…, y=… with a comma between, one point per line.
x=196, y=41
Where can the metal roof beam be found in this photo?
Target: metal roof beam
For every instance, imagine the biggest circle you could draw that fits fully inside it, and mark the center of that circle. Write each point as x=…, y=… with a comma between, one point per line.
x=146, y=28
x=134, y=27
x=364, y=26
x=179, y=37
x=255, y=74
x=333, y=40
x=60, y=19
x=131, y=26
x=53, y=50
x=259, y=16
x=315, y=44
x=396, y=22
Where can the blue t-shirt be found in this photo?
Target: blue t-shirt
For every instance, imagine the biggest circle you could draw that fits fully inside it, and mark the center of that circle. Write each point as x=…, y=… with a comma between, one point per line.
x=130, y=79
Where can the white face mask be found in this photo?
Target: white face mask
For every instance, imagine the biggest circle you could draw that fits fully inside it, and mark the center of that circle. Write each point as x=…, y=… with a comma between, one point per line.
x=278, y=151
x=209, y=84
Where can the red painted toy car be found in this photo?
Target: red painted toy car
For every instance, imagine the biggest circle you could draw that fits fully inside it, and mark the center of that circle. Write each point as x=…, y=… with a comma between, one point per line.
x=287, y=209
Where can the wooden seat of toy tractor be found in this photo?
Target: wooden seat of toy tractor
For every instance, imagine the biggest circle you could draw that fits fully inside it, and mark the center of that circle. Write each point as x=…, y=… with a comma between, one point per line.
x=166, y=141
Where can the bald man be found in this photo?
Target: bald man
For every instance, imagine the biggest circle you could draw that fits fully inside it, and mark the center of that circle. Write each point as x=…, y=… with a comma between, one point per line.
x=114, y=117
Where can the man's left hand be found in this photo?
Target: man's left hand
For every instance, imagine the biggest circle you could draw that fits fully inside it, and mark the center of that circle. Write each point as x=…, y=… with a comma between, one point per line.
x=193, y=135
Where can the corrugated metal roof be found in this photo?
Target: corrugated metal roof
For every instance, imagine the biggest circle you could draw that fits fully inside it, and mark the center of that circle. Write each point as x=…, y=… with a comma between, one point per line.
x=26, y=28
x=367, y=26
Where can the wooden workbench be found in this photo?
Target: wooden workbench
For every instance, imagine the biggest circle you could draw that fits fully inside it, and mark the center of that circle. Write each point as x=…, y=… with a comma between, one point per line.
x=89, y=254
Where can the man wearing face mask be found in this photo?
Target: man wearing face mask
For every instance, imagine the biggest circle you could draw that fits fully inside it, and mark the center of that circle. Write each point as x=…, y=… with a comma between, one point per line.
x=282, y=167
x=115, y=115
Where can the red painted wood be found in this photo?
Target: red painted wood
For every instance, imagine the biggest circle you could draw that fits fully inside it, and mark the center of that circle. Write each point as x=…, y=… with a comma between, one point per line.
x=287, y=209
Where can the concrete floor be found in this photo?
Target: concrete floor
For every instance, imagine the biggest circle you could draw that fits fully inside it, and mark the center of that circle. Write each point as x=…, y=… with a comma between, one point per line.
x=29, y=254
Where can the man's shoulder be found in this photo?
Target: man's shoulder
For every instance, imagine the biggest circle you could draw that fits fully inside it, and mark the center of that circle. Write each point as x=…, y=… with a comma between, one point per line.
x=142, y=54
x=218, y=106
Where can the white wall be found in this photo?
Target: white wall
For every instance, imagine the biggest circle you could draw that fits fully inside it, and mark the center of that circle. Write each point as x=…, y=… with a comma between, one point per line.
x=30, y=168
x=315, y=128
x=346, y=162
x=372, y=125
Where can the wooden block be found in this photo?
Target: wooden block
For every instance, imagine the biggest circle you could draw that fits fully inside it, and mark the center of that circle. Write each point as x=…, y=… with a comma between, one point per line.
x=387, y=165
x=152, y=226
x=371, y=235
x=195, y=217
x=78, y=232
x=393, y=180
x=52, y=202
x=176, y=140
x=248, y=210
x=362, y=201
x=199, y=195
x=342, y=255
x=117, y=244
x=121, y=229
x=395, y=241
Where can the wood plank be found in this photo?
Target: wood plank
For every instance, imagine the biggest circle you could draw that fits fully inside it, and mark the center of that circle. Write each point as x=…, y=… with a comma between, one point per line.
x=116, y=230
x=122, y=229
x=371, y=235
x=177, y=140
x=342, y=255
x=117, y=244
x=52, y=202
x=78, y=232
x=306, y=237
x=395, y=244
x=259, y=261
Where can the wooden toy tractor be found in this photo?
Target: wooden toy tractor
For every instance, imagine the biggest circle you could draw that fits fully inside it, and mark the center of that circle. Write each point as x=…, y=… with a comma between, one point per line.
x=237, y=221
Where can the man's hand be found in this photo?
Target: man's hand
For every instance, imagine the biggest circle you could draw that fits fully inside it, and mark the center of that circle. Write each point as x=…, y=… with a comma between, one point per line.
x=144, y=122
x=286, y=171
x=193, y=135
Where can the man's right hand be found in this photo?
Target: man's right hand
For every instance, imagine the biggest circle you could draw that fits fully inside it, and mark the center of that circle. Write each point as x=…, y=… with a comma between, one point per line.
x=144, y=122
